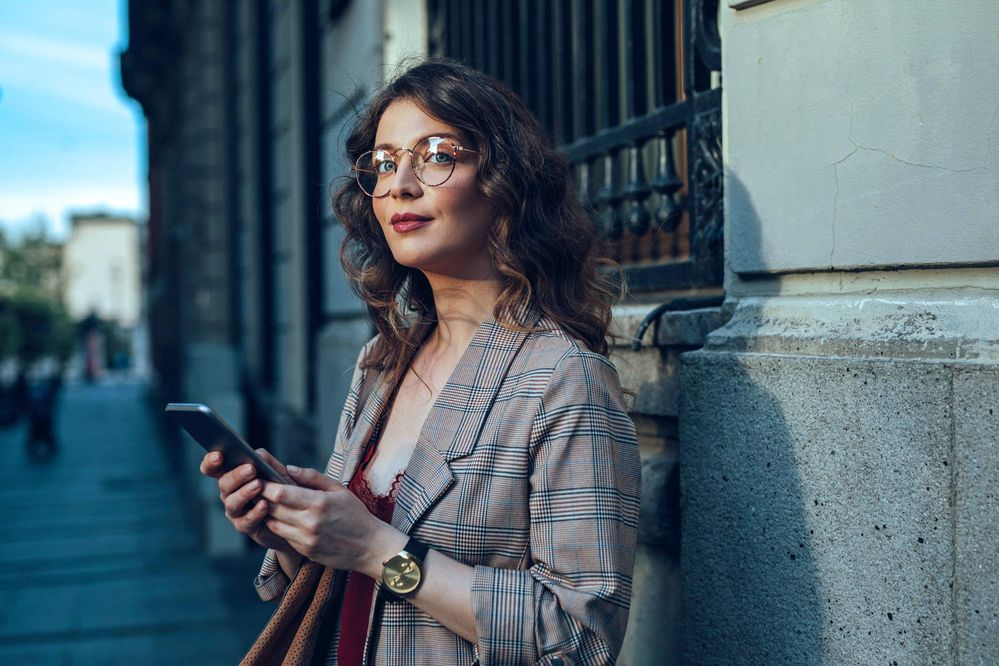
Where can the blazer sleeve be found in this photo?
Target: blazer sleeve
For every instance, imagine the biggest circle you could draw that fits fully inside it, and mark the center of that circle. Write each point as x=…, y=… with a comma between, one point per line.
x=571, y=605
x=271, y=581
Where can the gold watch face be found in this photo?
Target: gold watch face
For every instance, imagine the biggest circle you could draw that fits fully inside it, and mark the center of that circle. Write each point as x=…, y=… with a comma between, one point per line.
x=402, y=574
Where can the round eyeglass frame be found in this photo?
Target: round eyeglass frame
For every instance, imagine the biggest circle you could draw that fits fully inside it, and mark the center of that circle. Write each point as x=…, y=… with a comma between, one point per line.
x=418, y=169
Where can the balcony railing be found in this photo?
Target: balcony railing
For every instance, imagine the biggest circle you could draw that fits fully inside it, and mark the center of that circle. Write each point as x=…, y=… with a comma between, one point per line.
x=631, y=91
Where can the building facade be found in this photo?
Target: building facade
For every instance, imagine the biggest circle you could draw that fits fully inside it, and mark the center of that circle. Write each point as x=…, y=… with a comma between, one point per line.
x=101, y=268
x=802, y=197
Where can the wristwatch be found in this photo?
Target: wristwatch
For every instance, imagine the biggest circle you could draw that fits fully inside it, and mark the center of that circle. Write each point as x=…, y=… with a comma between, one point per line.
x=403, y=573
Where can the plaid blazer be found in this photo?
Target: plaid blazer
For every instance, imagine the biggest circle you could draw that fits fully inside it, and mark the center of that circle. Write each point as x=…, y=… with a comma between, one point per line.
x=527, y=469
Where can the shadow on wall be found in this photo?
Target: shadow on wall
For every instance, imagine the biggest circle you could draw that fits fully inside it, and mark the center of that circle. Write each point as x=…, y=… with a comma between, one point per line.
x=751, y=590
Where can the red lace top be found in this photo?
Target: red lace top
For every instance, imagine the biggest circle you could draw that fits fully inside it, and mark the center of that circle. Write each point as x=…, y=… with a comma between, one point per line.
x=356, y=609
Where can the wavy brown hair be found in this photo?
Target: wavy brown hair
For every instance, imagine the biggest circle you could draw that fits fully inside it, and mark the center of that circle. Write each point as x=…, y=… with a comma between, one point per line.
x=542, y=243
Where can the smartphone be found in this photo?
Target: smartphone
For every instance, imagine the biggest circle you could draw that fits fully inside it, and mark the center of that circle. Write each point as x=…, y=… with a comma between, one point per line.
x=214, y=434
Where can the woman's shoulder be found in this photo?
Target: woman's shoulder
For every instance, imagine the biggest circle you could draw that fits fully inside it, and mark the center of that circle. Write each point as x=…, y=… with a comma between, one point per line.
x=551, y=346
x=366, y=349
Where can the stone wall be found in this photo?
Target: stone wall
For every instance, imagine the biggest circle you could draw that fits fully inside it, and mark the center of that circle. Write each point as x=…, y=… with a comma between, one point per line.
x=838, y=435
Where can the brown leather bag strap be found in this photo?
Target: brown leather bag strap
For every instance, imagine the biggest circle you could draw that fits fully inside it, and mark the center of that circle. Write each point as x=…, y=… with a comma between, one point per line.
x=281, y=631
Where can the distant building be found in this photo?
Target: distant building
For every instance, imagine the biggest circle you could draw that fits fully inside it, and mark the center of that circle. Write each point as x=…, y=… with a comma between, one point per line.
x=101, y=268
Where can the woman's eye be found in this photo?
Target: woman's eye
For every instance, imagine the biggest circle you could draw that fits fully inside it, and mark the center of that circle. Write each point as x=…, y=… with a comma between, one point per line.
x=439, y=158
x=385, y=167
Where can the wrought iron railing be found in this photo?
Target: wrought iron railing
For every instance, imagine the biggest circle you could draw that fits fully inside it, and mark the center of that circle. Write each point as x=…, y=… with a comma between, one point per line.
x=630, y=89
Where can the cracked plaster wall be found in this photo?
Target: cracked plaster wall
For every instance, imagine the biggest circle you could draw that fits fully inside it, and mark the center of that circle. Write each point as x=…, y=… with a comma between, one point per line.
x=861, y=134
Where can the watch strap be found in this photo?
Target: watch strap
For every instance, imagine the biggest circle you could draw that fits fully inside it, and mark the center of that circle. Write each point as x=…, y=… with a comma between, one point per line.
x=417, y=549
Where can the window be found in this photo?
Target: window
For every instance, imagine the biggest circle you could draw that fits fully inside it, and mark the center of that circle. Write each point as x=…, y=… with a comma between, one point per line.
x=630, y=90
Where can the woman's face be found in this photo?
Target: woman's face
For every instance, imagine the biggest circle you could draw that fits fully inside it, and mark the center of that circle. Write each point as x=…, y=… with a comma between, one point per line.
x=448, y=230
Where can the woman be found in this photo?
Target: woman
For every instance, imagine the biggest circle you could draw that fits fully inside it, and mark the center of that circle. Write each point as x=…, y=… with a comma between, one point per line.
x=484, y=433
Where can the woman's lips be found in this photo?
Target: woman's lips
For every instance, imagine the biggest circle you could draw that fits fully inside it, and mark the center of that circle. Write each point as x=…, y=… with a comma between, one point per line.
x=408, y=222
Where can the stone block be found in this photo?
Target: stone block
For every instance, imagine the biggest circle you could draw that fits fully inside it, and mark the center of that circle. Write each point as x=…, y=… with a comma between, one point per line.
x=659, y=525
x=654, y=623
x=816, y=509
x=976, y=489
x=651, y=375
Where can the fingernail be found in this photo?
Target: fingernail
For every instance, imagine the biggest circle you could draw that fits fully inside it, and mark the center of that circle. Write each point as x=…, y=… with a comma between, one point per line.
x=293, y=469
x=215, y=457
x=247, y=470
x=253, y=485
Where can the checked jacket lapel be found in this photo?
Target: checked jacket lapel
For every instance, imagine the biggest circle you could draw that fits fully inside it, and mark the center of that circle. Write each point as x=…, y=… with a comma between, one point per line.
x=452, y=427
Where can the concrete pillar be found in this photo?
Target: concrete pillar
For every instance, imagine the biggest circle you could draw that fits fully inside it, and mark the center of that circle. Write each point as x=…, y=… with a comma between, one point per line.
x=838, y=434
x=839, y=467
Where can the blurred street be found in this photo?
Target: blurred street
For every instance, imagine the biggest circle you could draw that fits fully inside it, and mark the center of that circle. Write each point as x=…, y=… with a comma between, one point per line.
x=99, y=562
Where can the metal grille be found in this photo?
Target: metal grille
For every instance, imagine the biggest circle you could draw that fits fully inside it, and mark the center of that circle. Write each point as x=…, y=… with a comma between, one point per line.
x=630, y=90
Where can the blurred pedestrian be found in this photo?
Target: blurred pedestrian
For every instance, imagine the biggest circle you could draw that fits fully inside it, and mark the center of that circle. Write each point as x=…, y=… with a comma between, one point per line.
x=40, y=404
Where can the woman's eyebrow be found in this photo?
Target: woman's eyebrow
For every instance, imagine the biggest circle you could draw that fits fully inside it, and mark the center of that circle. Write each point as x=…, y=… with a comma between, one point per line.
x=442, y=135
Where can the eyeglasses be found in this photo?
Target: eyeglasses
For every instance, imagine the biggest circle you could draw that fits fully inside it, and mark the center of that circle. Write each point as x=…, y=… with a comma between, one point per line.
x=432, y=159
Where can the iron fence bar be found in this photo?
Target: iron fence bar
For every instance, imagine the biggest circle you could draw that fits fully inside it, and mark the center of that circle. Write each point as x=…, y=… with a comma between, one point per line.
x=526, y=50
x=509, y=46
x=674, y=275
x=561, y=81
x=664, y=29
x=609, y=109
x=478, y=35
x=583, y=68
x=542, y=69
x=670, y=117
x=493, y=40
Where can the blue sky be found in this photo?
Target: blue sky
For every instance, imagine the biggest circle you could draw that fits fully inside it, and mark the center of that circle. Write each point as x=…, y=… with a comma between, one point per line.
x=69, y=137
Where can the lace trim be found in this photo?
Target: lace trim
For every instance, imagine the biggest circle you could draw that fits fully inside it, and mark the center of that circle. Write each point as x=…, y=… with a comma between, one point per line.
x=378, y=505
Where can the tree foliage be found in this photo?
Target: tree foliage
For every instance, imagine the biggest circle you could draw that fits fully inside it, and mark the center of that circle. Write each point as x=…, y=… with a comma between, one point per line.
x=34, y=322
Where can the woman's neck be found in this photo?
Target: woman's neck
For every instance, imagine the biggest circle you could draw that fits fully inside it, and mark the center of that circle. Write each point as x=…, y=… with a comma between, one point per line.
x=461, y=305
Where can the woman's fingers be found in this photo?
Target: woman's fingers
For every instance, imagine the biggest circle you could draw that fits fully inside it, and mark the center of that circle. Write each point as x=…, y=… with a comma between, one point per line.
x=251, y=521
x=232, y=481
x=311, y=478
x=292, y=496
x=273, y=462
x=211, y=464
x=283, y=530
x=297, y=518
x=235, y=503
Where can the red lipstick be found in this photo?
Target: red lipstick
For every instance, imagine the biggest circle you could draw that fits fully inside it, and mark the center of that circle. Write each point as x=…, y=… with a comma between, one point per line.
x=403, y=222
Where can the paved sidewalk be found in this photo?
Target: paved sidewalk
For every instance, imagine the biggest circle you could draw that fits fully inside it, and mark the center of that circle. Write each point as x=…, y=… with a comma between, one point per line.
x=98, y=562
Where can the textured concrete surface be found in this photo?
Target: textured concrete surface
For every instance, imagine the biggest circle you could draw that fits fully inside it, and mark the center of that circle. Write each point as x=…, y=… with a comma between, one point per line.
x=837, y=508
x=652, y=374
x=98, y=561
x=976, y=529
x=954, y=324
x=653, y=635
x=654, y=624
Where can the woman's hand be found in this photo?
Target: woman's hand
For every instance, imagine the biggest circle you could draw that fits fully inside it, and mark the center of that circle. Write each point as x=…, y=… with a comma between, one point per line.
x=236, y=490
x=326, y=523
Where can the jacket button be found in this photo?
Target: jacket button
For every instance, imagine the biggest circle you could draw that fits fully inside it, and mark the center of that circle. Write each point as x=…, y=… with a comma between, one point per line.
x=557, y=661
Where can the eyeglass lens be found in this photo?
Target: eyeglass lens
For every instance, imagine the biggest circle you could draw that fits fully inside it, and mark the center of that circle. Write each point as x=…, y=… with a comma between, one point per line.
x=433, y=161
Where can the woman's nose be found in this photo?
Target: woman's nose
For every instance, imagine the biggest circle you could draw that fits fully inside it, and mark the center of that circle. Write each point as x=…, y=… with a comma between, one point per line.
x=404, y=180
